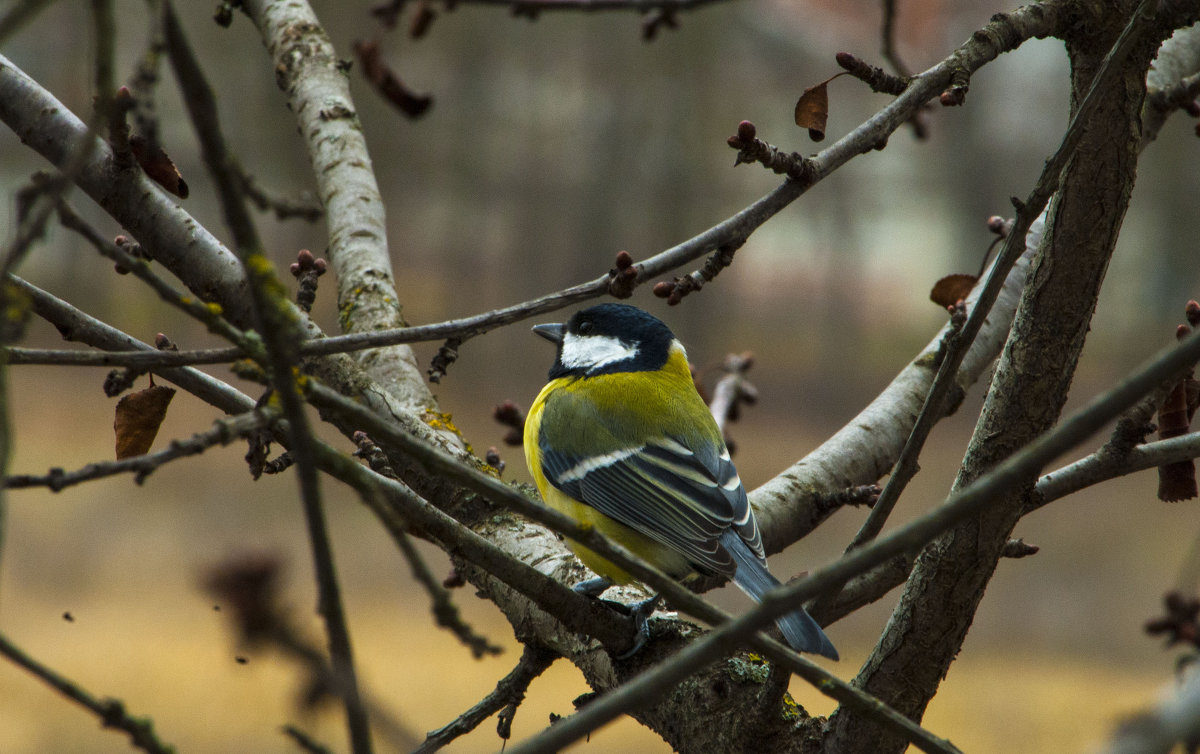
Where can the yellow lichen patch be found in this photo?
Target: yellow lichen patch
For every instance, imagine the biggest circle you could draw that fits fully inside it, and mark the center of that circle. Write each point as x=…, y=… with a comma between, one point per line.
x=789, y=709
x=262, y=272
x=443, y=420
x=248, y=369
x=17, y=303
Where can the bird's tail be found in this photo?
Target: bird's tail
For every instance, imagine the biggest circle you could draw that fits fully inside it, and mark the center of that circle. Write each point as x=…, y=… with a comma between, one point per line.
x=798, y=627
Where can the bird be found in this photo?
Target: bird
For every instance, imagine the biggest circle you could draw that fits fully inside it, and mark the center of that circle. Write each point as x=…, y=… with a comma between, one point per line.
x=619, y=438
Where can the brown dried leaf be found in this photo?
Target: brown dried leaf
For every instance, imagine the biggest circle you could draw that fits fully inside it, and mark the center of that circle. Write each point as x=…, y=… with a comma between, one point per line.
x=951, y=289
x=138, y=418
x=158, y=166
x=812, y=110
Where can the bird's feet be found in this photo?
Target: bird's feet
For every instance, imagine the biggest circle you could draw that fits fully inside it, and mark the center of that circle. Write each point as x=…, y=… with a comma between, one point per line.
x=639, y=611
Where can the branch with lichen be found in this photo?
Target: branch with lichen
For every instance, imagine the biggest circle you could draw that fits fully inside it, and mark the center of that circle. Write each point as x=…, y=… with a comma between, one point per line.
x=313, y=79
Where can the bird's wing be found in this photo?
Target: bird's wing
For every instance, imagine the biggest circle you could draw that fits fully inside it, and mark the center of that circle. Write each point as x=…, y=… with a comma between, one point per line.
x=682, y=497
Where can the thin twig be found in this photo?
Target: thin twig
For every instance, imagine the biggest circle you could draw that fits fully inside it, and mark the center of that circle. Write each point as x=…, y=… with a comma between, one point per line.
x=888, y=35
x=111, y=711
x=732, y=389
x=284, y=208
x=445, y=612
x=305, y=741
x=1102, y=466
x=955, y=345
x=223, y=432
x=508, y=692
x=202, y=109
x=145, y=79
x=77, y=325
x=19, y=14
x=141, y=360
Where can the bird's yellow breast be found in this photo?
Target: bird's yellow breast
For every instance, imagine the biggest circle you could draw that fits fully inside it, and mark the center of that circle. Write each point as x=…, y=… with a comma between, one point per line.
x=605, y=413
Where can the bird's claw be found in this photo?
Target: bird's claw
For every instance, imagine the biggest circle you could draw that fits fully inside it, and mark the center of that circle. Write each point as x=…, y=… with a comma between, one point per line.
x=640, y=612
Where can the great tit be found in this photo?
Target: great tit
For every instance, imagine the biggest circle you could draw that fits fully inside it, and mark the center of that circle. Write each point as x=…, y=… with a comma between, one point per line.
x=620, y=439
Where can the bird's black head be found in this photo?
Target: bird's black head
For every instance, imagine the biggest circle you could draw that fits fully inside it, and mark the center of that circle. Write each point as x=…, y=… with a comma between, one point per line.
x=608, y=338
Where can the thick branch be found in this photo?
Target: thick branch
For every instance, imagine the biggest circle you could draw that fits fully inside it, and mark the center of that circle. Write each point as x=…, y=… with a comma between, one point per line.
x=309, y=73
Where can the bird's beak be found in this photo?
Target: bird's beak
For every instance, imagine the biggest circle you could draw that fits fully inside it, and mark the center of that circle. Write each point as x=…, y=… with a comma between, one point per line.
x=552, y=332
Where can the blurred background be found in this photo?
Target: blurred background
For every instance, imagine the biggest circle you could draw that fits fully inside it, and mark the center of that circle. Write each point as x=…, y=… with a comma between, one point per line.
x=550, y=146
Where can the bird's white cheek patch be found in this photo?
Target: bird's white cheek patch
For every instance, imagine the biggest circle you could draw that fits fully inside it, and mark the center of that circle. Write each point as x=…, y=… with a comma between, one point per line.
x=591, y=351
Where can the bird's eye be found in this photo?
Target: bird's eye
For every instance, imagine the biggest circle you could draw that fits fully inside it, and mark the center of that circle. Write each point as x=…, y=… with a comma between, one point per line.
x=585, y=327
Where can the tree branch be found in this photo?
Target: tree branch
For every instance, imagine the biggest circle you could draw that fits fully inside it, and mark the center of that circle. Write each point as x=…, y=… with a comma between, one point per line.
x=1104, y=465
x=111, y=711
x=509, y=693
x=223, y=432
x=318, y=91
x=77, y=325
